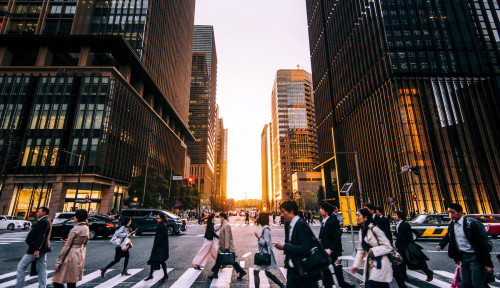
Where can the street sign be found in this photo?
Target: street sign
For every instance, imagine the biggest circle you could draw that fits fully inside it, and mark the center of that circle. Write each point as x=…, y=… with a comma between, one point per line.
x=346, y=187
x=177, y=178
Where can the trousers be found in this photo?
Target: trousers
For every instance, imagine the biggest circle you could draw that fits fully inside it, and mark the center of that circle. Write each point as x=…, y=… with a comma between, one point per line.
x=209, y=248
x=41, y=268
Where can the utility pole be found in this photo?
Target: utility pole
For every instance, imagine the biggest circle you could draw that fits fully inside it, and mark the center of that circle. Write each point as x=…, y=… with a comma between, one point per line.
x=81, y=162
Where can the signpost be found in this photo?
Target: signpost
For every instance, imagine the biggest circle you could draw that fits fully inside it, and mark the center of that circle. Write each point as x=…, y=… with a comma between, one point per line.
x=346, y=188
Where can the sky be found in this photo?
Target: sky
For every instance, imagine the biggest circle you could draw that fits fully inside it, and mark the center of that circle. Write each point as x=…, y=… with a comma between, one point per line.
x=253, y=40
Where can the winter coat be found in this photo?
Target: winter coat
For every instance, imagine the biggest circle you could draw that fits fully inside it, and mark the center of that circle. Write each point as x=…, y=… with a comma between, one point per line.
x=38, y=237
x=159, y=254
x=265, y=240
x=225, y=238
x=382, y=247
x=71, y=268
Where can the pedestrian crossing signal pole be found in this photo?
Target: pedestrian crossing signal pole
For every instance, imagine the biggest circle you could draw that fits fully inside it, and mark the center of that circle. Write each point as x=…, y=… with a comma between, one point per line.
x=346, y=188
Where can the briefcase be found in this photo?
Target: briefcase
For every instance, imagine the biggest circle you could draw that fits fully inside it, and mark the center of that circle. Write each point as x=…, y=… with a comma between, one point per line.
x=226, y=258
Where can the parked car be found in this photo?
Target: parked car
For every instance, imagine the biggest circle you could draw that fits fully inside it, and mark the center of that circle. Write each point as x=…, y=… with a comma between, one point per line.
x=428, y=226
x=11, y=223
x=97, y=227
x=62, y=216
x=490, y=221
x=144, y=220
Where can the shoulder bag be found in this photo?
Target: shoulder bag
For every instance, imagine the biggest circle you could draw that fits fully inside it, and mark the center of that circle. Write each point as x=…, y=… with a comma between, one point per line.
x=316, y=262
x=263, y=257
x=393, y=256
x=226, y=258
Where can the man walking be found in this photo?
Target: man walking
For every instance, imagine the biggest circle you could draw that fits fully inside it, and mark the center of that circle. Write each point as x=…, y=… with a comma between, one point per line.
x=298, y=242
x=331, y=238
x=38, y=246
x=247, y=218
x=225, y=244
x=404, y=243
x=469, y=245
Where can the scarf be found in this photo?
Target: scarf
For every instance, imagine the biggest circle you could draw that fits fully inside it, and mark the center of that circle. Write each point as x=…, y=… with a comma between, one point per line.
x=366, y=246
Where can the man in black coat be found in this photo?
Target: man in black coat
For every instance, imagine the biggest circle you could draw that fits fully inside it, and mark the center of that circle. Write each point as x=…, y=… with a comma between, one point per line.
x=469, y=245
x=298, y=242
x=382, y=222
x=331, y=238
x=404, y=238
x=38, y=241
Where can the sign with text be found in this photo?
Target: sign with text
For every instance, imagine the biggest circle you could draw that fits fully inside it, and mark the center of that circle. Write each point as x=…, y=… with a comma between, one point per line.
x=177, y=178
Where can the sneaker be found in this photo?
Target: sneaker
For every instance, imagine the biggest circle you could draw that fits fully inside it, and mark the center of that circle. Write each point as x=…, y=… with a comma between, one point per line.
x=242, y=274
x=213, y=276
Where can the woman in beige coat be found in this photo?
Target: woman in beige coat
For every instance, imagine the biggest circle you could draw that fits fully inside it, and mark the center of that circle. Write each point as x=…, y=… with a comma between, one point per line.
x=374, y=244
x=71, y=260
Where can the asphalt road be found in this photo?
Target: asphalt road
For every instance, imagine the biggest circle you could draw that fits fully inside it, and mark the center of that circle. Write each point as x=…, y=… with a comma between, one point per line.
x=184, y=247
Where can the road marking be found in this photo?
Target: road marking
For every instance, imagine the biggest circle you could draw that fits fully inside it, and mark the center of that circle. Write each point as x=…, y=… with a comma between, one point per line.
x=157, y=275
x=264, y=282
x=8, y=275
x=187, y=279
x=251, y=224
x=246, y=254
x=422, y=277
x=224, y=279
x=236, y=224
x=242, y=264
x=434, y=251
x=85, y=279
x=283, y=271
x=118, y=279
x=13, y=282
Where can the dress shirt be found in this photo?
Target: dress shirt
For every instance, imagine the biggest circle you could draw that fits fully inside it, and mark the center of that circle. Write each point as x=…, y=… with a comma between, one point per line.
x=323, y=222
x=462, y=242
x=397, y=225
x=294, y=221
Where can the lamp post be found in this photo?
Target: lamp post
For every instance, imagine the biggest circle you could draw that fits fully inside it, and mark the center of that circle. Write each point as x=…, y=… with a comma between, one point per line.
x=81, y=162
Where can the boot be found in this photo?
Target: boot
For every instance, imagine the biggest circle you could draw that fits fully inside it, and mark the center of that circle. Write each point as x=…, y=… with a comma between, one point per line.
x=103, y=272
x=125, y=273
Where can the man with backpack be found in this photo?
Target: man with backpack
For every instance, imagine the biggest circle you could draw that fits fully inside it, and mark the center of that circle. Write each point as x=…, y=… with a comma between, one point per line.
x=469, y=245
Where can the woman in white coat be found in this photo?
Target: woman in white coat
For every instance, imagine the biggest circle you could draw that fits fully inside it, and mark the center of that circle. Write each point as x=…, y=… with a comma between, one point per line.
x=374, y=244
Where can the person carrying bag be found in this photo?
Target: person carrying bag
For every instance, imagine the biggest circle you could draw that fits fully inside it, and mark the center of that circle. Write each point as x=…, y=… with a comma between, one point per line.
x=121, y=239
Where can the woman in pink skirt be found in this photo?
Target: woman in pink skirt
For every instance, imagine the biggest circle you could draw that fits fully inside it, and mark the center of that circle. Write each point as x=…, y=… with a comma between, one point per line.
x=209, y=245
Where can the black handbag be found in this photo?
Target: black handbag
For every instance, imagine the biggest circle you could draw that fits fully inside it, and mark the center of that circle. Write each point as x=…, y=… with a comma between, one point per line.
x=33, y=271
x=317, y=261
x=226, y=258
x=262, y=258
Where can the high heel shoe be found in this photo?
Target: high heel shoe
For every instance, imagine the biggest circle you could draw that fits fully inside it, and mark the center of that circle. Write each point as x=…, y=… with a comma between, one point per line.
x=125, y=273
x=164, y=278
x=149, y=278
x=103, y=272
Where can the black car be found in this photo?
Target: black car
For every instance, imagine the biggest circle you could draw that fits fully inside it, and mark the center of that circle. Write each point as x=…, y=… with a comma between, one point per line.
x=98, y=226
x=144, y=220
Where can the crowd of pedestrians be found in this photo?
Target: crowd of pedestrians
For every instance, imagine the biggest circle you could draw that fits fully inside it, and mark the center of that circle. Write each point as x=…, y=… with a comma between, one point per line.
x=310, y=261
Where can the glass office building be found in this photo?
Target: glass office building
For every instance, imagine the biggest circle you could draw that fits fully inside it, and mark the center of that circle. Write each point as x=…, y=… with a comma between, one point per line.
x=410, y=83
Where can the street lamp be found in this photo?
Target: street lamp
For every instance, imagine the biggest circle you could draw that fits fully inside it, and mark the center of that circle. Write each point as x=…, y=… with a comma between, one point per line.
x=81, y=162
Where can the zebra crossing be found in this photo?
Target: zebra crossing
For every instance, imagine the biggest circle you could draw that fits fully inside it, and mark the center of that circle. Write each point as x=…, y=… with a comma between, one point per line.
x=196, y=278
x=16, y=237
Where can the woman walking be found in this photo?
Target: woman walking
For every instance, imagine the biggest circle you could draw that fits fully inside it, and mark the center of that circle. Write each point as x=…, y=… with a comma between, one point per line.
x=159, y=254
x=71, y=260
x=121, y=239
x=209, y=247
x=374, y=244
x=264, y=241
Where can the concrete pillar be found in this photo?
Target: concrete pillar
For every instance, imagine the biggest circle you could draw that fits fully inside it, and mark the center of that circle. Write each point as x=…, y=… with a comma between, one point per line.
x=57, y=197
x=107, y=194
x=126, y=71
x=139, y=88
x=5, y=56
x=85, y=57
x=6, y=198
x=44, y=57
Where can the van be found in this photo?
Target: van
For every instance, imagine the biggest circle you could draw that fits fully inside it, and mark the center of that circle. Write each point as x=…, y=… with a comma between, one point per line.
x=144, y=220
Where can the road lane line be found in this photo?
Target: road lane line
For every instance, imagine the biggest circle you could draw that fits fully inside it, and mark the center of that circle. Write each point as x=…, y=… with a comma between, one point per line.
x=187, y=279
x=118, y=279
x=13, y=282
x=246, y=254
x=157, y=275
x=264, y=282
x=224, y=279
x=283, y=271
x=8, y=275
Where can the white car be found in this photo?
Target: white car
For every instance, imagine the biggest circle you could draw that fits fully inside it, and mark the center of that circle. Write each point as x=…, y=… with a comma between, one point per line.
x=11, y=223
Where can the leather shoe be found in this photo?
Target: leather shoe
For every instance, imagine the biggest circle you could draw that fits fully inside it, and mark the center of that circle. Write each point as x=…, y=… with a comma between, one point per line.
x=103, y=272
x=213, y=276
x=148, y=278
x=125, y=273
x=430, y=276
x=242, y=274
x=197, y=268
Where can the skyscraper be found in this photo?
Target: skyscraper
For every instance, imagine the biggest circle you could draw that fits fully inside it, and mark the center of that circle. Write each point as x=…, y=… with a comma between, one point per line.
x=221, y=164
x=412, y=86
x=202, y=113
x=265, y=166
x=293, y=129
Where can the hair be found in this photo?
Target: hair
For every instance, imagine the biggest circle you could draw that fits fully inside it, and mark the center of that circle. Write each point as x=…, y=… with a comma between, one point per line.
x=366, y=213
x=290, y=206
x=370, y=206
x=81, y=215
x=45, y=210
x=400, y=215
x=210, y=217
x=380, y=209
x=327, y=207
x=223, y=215
x=263, y=219
x=163, y=217
x=124, y=221
x=456, y=207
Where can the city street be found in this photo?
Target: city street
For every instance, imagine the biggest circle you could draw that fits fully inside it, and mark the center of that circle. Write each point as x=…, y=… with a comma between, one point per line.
x=183, y=248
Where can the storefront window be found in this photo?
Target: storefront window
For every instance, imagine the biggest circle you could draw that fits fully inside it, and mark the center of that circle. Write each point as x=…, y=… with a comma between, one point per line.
x=117, y=198
x=88, y=198
x=28, y=197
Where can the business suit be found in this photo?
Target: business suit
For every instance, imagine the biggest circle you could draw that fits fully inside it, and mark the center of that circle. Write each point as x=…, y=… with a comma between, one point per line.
x=297, y=247
x=404, y=238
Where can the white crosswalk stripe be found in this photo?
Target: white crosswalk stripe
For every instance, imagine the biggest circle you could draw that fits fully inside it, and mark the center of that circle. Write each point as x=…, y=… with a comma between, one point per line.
x=224, y=279
x=86, y=278
x=187, y=279
x=13, y=282
x=9, y=238
x=118, y=279
x=264, y=282
x=157, y=275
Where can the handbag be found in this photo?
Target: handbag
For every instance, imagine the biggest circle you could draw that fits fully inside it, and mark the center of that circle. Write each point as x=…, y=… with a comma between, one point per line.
x=394, y=257
x=33, y=271
x=317, y=260
x=455, y=283
x=226, y=258
x=262, y=258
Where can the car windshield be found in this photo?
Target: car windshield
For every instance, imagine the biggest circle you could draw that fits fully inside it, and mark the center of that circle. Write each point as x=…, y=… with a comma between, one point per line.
x=171, y=215
x=419, y=220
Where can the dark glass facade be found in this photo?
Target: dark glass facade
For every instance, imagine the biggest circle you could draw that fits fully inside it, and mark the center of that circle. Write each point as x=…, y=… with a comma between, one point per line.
x=410, y=83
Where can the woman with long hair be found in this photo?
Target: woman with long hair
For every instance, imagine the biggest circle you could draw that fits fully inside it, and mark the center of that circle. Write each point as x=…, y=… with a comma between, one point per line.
x=264, y=243
x=159, y=254
x=121, y=239
x=374, y=244
x=209, y=247
x=71, y=260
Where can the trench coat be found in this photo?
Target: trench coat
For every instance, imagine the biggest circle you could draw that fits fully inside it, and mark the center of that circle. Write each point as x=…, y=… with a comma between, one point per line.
x=159, y=254
x=71, y=269
x=225, y=238
x=382, y=247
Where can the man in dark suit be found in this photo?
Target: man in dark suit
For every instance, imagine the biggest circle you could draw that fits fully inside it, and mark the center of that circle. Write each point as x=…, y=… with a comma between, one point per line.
x=380, y=221
x=404, y=238
x=298, y=242
x=38, y=246
x=469, y=245
x=331, y=238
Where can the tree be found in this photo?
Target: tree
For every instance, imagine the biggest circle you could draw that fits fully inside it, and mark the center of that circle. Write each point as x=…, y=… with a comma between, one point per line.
x=321, y=194
x=156, y=186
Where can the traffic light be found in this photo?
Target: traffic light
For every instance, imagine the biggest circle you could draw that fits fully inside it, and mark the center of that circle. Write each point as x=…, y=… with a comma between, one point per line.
x=190, y=180
x=415, y=196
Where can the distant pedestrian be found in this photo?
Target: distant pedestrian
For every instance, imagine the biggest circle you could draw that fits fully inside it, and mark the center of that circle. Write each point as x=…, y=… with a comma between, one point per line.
x=312, y=217
x=159, y=253
x=274, y=218
x=209, y=247
x=122, y=241
x=71, y=260
x=226, y=245
x=38, y=246
x=247, y=218
x=469, y=245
